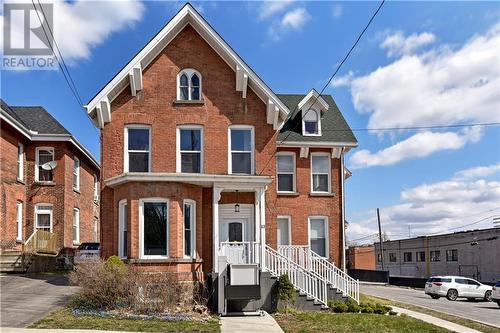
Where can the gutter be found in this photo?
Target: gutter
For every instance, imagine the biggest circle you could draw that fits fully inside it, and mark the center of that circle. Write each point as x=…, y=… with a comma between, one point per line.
x=343, y=208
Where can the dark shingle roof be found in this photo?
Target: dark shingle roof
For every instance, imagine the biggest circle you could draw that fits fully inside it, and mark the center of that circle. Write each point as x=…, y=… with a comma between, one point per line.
x=334, y=127
x=35, y=118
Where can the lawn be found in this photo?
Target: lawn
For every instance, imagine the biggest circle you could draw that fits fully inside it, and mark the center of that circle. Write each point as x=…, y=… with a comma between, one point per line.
x=454, y=319
x=64, y=319
x=322, y=321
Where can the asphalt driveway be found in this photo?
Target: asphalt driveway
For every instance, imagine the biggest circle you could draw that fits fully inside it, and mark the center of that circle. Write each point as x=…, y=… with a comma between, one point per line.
x=486, y=312
x=28, y=298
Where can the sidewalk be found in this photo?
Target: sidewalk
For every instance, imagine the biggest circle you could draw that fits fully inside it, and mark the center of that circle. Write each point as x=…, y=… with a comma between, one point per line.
x=435, y=321
x=261, y=324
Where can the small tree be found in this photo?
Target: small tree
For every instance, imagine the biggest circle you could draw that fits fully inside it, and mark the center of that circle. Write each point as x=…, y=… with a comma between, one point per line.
x=286, y=291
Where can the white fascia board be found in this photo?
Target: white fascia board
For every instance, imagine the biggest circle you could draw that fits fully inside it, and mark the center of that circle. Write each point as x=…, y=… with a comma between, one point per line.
x=188, y=178
x=14, y=123
x=316, y=144
x=318, y=99
x=187, y=15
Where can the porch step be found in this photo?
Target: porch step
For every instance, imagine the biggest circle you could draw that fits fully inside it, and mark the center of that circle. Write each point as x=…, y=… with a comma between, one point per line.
x=11, y=262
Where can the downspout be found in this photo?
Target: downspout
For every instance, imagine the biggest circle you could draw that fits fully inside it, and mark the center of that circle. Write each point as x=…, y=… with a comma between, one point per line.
x=342, y=180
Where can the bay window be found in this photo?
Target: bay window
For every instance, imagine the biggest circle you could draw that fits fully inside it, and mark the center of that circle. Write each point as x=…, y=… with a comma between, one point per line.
x=190, y=149
x=122, y=229
x=241, y=150
x=153, y=219
x=285, y=172
x=318, y=235
x=137, y=148
x=320, y=173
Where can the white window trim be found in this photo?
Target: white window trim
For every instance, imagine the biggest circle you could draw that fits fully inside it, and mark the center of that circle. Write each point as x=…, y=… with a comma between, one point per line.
x=329, y=172
x=193, y=229
x=37, y=162
x=20, y=161
x=77, y=215
x=125, y=146
x=289, y=219
x=252, y=149
x=122, y=225
x=189, y=73
x=327, y=233
x=318, y=115
x=294, y=188
x=96, y=188
x=43, y=211
x=19, y=220
x=75, y=161
x=178, y=165
x=141, y=227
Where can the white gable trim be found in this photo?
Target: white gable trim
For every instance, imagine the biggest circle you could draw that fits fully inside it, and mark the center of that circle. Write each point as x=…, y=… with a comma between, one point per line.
x=315, y=101
x=245, y=76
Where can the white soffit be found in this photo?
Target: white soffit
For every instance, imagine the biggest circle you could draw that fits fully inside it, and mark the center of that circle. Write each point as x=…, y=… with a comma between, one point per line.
x=132, y=72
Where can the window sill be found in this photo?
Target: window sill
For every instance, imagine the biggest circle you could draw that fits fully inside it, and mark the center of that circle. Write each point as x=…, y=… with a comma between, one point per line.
x=41, y=183
x=164, y=261
x=287, y=194
x=19, y=241
x=77, y=243
x=76, y=190
x=182, y=102
x=21, y=181
x=320, y=194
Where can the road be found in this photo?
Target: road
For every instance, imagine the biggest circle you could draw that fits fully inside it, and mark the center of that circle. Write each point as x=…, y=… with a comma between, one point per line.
x=486, y=312
x=28, y=298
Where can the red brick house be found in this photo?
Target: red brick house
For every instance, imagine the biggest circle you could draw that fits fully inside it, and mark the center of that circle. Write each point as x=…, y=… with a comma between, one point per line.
x=63, y=201
x=203, y=164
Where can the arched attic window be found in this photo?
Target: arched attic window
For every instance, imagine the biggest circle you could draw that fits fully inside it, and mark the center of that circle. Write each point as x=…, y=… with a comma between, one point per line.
x=311, y=122
x=189, y=85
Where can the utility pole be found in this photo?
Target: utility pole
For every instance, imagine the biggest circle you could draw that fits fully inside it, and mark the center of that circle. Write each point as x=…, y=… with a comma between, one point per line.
x=409, y=230
x=380, y=238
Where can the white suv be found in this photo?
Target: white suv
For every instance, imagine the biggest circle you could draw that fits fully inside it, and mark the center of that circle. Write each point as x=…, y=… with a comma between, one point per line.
x=495, y=294
x=453, y=287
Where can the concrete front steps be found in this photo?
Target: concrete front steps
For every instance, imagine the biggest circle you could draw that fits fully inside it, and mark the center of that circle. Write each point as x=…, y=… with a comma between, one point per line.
x=12, y=262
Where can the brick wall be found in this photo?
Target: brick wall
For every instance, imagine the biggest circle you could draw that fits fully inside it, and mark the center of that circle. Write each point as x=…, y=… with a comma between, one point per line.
x=154, y=105
x=361, y=257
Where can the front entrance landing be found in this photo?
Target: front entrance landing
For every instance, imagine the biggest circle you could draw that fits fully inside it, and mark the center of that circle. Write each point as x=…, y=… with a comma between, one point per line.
x=261, y=324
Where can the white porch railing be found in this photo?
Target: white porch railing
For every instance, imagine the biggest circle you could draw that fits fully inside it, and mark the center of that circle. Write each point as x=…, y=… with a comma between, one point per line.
x=305, y=257
x=304, y=280
x=240, y=252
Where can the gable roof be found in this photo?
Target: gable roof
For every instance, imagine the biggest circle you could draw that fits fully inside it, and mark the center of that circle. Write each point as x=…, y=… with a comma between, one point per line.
x=334, y=128
x=37, y=124
x=131, y=74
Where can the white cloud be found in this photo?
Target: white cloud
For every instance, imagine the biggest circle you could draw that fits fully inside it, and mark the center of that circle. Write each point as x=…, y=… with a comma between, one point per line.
x=271, y=8
x=416, y=146
x=343, y=81
x=80, y=25
x=478, y=172
x=337, y=11
x=295, y=19
x=398, y=44
x=443, y=206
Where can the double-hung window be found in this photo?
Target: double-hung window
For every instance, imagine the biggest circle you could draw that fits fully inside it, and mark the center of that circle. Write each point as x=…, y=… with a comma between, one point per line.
x=320, y=173
x=420, y=255
x=189, y=229
x=20, y=161
x=435, y=256
x=43, y=217
x=407, y=257
x=286, y=172
x=76, y=174
x=19, y=220
x=153, y=224
x=284, y=233
x=96, y=188
x=241, y=150
x=451, y=255
x=43, y=172
x=190, y=149
x=318, y=235
x=137, y=148
x=76, y=226
x=122, y=229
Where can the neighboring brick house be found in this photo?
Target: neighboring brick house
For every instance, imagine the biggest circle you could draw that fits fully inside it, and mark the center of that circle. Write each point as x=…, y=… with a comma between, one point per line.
x=201, y=159
x=361, y=257
x=65, y=200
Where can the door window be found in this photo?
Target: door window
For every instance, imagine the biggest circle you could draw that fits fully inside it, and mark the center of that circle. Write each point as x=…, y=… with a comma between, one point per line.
x=235, y=232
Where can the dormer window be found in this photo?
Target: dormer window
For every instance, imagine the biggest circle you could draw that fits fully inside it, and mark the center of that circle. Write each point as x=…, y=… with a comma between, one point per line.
x=189, y=85
x=311, y=122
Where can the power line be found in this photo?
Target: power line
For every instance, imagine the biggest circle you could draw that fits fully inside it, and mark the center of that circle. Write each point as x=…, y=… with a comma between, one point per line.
x=331, y=77
x=367, y=129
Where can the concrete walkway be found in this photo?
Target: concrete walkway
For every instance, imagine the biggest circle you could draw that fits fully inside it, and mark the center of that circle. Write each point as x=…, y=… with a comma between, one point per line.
x=261, y=324
x=435, y=321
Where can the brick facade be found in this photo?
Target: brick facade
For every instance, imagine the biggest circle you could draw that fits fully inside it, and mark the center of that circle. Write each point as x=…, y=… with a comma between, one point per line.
x=60, y=193
x=361, y=257
x=222, y=106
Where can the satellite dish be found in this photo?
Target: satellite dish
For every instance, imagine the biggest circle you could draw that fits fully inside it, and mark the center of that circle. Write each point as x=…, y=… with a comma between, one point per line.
x=49, y=165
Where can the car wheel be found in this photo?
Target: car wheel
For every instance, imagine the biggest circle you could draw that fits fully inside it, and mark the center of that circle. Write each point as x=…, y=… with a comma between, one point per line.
x=487, y=296
x=452, y=295
x=435, y=296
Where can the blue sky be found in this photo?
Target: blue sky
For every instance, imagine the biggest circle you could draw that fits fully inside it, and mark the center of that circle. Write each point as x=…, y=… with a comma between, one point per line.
x=419, y=64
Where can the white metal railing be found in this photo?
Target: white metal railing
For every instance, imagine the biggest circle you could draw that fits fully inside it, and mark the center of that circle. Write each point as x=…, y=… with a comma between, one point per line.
x=303, y=279
x=308, y=259
x=240, y=252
